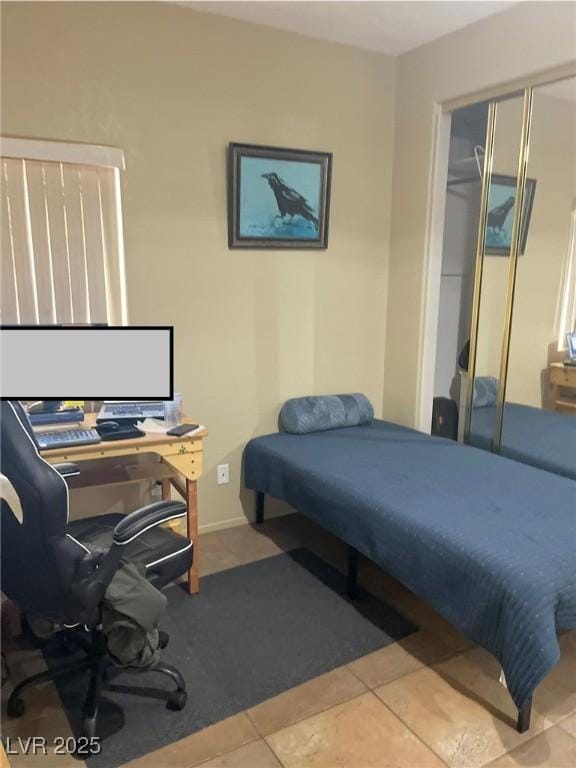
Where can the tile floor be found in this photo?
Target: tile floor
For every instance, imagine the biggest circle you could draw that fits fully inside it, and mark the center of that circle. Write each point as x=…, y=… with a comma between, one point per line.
x=429, y=701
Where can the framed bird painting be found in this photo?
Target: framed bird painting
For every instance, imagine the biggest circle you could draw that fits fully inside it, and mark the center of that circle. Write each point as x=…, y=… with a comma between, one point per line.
x=501, y=204
x=278, y=198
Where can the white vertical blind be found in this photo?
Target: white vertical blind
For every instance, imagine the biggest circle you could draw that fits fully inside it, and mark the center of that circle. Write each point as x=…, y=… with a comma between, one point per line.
x=21, y=252
x=8, y=287
x=40, y=230
x=62, y=258
x=58, y=239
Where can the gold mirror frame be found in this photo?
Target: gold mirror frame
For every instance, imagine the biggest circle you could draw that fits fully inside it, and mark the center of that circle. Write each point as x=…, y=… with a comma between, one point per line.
x=479, y=265
x=523, y=156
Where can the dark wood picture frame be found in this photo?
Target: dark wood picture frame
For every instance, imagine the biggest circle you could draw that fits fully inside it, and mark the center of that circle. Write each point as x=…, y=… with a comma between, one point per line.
x=510, y=181
x=285, y=216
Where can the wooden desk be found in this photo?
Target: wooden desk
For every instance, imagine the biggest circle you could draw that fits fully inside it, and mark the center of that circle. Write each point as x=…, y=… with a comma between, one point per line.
x=563, y=377
x=178, y=456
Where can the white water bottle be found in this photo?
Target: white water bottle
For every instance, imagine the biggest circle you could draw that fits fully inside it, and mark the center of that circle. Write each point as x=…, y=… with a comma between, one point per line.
x=173, y=410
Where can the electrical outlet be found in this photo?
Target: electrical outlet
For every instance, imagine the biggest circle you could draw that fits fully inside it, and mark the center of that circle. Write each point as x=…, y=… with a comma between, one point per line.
x=156, y=491
x=223, y=474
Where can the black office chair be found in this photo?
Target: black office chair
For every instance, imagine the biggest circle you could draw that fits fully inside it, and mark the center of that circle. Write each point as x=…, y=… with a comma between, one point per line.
x=48, y=567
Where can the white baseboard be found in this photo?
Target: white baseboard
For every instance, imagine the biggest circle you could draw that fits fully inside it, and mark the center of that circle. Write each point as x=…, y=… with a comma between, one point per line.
x=233, y=522
x=222, y=524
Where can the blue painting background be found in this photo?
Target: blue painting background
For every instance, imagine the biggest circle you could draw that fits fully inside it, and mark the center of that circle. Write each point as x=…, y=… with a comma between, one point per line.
x=499, y=193
x=259, y=214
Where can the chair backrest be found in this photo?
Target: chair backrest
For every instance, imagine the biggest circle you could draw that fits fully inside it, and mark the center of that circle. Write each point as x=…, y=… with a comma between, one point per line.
x=38, y=558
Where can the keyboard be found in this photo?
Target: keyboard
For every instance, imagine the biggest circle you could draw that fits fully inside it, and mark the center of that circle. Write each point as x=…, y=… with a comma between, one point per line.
x=130, y=412
x=136, y=410
x=66, y=438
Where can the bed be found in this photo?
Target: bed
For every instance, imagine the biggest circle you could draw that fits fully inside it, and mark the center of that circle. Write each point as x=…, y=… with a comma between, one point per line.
x=488, y=542
x=545, y=439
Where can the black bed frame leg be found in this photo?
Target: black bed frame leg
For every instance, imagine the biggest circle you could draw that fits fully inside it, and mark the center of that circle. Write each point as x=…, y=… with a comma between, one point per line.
x=524, y=716
x=259, y=507
x=352, y=573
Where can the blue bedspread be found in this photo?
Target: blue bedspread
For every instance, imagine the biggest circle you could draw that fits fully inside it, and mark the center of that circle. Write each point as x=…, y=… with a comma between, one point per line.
x=490, y=543
x=545, y=439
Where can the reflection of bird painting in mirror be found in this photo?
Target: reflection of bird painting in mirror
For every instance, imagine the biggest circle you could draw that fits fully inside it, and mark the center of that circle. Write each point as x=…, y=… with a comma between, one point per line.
x=290, y=203
x=497, y=216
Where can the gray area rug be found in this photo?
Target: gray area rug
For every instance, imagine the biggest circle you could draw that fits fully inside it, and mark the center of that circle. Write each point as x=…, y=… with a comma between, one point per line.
x=253, y=632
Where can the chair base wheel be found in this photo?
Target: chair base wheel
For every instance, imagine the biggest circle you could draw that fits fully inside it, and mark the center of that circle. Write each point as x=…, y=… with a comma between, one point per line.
x=15, y=707
x=177, y=701
x=89, y=727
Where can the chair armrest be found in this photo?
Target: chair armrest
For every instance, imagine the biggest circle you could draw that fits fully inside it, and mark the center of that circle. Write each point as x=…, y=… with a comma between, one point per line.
x=67, y=469
x=134, y=524
x=96, y=571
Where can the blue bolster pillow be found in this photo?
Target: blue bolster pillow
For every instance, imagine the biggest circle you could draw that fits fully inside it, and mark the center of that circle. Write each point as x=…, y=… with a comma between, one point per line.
x=318, y=413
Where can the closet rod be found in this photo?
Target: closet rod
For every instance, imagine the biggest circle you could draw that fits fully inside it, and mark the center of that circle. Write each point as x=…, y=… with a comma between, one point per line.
x=466, y=180
x=478, y=158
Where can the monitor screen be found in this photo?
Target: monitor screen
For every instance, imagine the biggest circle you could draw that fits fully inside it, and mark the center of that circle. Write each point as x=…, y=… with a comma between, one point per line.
x=86, y=363
x=571, y=339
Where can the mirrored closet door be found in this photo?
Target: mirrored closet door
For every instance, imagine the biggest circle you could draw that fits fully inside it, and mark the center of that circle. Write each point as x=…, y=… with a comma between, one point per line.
x=508, y=285
x=494, y=237
x=521, y=382
x=539, y=410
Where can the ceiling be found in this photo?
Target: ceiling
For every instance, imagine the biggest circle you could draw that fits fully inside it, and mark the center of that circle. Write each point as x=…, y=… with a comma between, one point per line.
x=387, y=27
x=563, y=89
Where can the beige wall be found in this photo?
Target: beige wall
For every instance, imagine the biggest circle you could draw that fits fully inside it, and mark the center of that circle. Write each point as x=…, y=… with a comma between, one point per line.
x=538, y=283
x=523, y=40
x=172, y=87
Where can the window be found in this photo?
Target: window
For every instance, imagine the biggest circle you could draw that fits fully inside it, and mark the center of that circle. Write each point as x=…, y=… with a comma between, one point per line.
x=567, y=313
x=62, y=253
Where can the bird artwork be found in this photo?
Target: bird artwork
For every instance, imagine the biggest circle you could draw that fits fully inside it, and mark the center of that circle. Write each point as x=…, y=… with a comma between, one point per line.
x=290, y=202
x=498, y=215
x=278, y=198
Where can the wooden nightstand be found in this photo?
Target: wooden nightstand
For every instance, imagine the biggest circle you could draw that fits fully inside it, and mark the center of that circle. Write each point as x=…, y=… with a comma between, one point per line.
x=563, y=377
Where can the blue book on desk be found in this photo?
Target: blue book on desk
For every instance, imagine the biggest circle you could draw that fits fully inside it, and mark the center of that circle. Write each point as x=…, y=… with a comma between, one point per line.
x=68, y=416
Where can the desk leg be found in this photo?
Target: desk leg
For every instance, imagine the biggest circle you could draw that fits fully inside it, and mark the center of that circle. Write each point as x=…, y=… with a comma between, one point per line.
x=554, y=396
x=3, y=759
x=192, y=531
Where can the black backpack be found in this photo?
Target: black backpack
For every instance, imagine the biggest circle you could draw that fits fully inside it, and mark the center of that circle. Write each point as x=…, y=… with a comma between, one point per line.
x=445, y=418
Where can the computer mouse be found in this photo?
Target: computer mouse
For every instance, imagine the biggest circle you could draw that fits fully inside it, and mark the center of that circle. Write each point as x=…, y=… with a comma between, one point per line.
x=107, y=426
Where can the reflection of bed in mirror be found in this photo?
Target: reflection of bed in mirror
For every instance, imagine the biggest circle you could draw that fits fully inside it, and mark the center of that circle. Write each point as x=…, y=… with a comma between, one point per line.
x=545, y=439
x=526, y=307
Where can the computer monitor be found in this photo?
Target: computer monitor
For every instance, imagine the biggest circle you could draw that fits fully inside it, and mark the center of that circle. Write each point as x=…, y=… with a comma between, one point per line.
x=86, y=363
